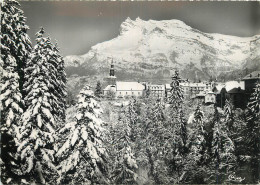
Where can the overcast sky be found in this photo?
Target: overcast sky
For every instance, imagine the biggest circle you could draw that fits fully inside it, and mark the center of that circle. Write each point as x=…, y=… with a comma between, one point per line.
x=79, y=25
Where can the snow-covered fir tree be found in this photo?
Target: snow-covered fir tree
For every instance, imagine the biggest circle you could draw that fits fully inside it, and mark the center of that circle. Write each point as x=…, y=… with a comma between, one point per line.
x=131, y=115
x=197, y=148
x=176, y=94
x=223, y=158
x=252, y=131
x=60, y=88
x=15, y=48
x=11, y=111
x=14, y=36
x=179, y=148
x=177, y=129
x=124, y=162
x=147, y=92
x=229, y=113
x=152, y=141
x=98, y=90
x=254, y=104
x=83, y=156
x=39, y=122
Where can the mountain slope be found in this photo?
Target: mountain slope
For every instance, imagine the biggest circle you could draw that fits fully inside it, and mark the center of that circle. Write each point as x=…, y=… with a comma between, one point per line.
x=152, y=49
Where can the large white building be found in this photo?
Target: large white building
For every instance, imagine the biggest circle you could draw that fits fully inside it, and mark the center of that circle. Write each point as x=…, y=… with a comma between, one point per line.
x=125, y=89
x=192, y=89
x=121, y=89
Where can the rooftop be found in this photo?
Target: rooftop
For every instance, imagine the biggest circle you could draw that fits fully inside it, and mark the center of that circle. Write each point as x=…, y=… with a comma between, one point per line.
x=253, y=75
x=236, y=90
x=129, y=86
x=230, y=85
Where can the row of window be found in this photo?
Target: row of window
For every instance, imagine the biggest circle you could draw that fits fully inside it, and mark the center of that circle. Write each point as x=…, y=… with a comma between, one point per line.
x=156, y=87
x=127, y=93
x=210, y=99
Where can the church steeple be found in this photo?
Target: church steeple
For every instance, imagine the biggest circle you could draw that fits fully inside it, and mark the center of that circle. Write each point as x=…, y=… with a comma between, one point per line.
x=112, y=70
x=111, y=79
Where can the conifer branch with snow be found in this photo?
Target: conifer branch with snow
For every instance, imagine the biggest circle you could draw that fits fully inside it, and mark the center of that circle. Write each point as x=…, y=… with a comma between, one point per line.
x=83, y=156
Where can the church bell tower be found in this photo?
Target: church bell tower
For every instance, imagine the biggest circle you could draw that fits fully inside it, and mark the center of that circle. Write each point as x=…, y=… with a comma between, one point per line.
x=112, y=70
x=111, y=79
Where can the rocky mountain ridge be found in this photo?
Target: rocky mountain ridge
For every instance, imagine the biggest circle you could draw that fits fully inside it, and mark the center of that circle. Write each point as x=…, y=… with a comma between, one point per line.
x=151, y=50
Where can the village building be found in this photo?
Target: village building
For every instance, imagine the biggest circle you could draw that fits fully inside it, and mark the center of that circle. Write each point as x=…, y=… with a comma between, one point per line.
x=186, y=88
x=156, y=90
x=197, y=88
x=227, y=90
x=237, y=97
x=167, y=90
x=210, y=97
x=250, y=81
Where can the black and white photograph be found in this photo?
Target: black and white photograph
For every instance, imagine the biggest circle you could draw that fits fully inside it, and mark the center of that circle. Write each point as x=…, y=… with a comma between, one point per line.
x=129, y=92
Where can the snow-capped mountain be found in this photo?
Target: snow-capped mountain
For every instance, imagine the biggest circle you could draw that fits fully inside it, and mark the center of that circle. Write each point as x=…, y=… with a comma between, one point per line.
x=148, y=49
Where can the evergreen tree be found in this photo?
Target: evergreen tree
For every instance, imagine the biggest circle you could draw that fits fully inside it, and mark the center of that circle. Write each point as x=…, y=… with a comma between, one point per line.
x=254, y=104
x=147, y=92
x=11, y=111
x=176, y=97
x=177, y=129
x=131, y=115
x=14, y=36
x=223, y=158
x=83, y=155
x=98, y=91
x=15, y=48
x=125, y=165
x=252, y=131
x=152, y=143
x=37, y=133
x=60, y=87
x=228, y=110
x=197, y=149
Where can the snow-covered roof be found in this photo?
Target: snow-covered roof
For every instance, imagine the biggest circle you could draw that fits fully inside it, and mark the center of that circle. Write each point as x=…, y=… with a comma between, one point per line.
x=219, y=87
x=234, y=84
x=129, y=86
x=253, y=75
x=230, y=85
x=236, y=90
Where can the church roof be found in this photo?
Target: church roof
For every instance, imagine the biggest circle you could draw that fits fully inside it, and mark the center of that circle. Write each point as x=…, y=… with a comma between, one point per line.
x=129, y=86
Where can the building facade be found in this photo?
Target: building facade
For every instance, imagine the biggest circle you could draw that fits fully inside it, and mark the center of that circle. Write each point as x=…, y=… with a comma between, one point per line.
x=126, y=89
x=156, y=91
x=237, y=97
x=250, y=81
x=210, y=97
